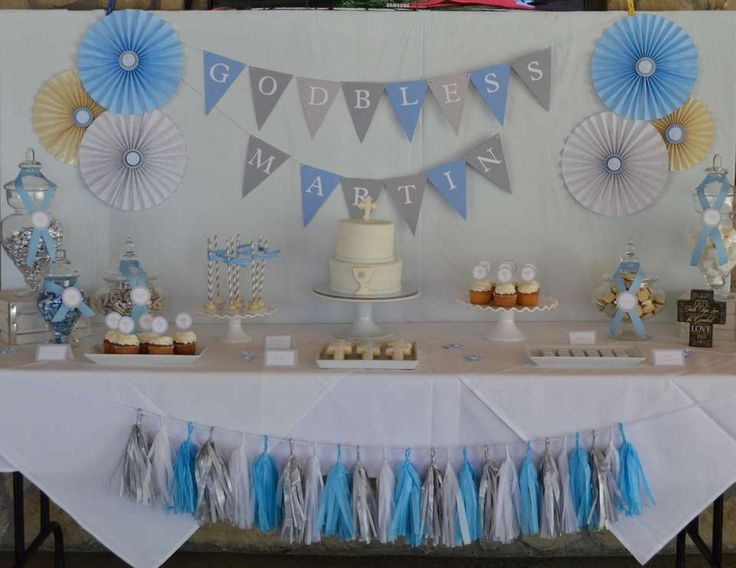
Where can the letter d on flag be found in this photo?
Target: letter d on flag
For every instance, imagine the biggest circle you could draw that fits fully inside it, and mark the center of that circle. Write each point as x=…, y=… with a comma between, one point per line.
x=219, y=73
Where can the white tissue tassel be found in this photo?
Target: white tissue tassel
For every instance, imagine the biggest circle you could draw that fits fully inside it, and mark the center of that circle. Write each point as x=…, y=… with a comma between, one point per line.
x=506, y=513
x=238, y=467
x=161, y=462
x=313, y=487
x=453, y=510
x=364, y=505
x=385, y=483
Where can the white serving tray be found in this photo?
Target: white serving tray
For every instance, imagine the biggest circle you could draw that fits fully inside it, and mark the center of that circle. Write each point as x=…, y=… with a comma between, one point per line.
x=632, y=358
x=368, y=364
x=113, y=360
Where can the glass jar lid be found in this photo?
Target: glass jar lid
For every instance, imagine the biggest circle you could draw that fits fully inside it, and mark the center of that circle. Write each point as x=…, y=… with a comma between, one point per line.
x=117, y=278
x=62, y=267
x=35, y=183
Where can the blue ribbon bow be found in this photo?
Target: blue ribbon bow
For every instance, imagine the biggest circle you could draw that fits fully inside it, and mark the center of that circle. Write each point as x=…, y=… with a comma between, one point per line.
x=625, y=267
x=136, y=276
x=711, y=232
x=61, y=313
x=37, y=235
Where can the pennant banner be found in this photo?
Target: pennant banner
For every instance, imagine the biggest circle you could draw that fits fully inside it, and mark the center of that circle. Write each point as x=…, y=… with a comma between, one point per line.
x=492, y=84
x=317, y=186
x=261, y=160
x=488, y=160
x=267, y=87
x=450, y=94
x=449, y=179
x=219, y=73
x=362, y=100
x=356, y=189
x=407, y=193
x=535, y=71
x=407, y=100
x=316, y=97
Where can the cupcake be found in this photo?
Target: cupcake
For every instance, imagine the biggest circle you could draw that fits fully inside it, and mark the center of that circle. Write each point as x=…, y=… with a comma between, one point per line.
x=107, y=343
x=125, y=344
x=528, y=294
x=145, y=338
x=505, y=295
x=160, y=345
x=185, y=343
x=481, y=292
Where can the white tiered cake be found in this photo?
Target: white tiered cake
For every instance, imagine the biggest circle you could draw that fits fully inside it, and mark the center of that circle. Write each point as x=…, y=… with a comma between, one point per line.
x=364, y=263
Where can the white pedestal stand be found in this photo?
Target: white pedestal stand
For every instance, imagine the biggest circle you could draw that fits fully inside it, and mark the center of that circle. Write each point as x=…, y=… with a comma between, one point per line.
x=235, y=332
x=505, y=328
x=363, y=326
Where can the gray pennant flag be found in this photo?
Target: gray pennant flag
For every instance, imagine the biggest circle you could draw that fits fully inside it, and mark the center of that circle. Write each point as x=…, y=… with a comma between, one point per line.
x=355, y=189
x=261, y=160
x=450, y=94
x=488, y=159
x=535, y=71
x=316, y=97
x=267, y=87
x=362, y=99
x=407, y=193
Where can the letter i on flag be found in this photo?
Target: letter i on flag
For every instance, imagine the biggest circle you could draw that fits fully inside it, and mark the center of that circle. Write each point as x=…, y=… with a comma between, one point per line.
x=407, y=100
x=449, y=179
x=317, y=186
x=219, y=73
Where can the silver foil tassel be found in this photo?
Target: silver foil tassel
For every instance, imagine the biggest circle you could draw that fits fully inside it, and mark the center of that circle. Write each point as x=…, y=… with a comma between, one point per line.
x=238, y=469
x=506, y=510
x=605, y=488
x=314, y=486
x=487, y=489
x=215, y=492
x=453, y=510
x=289, y=491
x=136, y=480
x=569, y=519
x=364, y=504
x=385, y=484
x=431, y=511
x=161, y=463
x=551, y=525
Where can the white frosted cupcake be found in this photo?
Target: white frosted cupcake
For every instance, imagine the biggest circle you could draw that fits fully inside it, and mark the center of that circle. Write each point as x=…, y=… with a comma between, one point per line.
x=185, y=343
x=160, y=345
x=125, y=344
x=504, y=296
x=528, y=294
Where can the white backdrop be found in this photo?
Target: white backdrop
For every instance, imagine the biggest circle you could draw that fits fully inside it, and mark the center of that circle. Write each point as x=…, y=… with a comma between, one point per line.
x=538, y=223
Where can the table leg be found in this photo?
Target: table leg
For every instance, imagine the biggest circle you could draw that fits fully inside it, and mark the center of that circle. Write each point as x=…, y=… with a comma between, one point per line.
x=712, y=555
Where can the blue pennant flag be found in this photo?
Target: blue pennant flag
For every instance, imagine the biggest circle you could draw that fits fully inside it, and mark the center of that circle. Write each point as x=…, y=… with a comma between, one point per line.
x=219, y=73
x=407, y=100
x=317, y=186
x=492, y=84
x=449, y=179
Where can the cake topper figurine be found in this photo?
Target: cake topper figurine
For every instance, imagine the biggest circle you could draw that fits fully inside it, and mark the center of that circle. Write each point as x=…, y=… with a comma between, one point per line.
x=367, y=205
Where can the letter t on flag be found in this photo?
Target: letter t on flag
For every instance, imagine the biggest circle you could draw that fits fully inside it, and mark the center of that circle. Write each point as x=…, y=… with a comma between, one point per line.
x=219, y=73
x=317, y=186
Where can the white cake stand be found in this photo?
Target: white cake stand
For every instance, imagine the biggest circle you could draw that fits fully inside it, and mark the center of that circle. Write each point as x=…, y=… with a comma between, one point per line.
x=235, y=332
x=505, y=328
x=363, y=326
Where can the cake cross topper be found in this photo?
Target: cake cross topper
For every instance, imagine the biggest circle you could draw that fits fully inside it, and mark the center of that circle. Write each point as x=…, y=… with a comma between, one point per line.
x=367, y=205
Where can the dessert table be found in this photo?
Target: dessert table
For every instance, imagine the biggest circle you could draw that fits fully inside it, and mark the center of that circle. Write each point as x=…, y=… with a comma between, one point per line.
x=64, y=425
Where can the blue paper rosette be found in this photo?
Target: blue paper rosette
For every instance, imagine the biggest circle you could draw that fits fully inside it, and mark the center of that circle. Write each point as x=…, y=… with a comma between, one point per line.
x=131, y=62
x=644, y=67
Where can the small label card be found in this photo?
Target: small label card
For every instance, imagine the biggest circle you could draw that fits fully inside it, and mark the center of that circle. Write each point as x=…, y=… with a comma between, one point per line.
x=582, y=337
x=53, y=352
x=281, y=358
x=668, y=357
x=279, y=342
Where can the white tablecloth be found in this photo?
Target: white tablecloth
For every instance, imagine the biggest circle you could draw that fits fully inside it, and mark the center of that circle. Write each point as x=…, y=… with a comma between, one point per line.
x=65, y=425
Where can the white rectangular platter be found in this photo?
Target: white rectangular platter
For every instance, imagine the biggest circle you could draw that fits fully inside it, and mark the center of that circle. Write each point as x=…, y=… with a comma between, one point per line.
x=408, y=364
x=144, y=360
x=585, y=356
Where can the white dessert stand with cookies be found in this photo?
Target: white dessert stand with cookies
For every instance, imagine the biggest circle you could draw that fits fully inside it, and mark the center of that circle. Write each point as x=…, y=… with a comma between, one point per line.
x=505, y=328
x=363, y=326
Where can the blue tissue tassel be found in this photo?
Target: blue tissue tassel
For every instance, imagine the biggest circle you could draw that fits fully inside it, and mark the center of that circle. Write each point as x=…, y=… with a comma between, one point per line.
x=580, y=483
x=183, y=483
x=407, y=509
x=469, y=491
x=633, y=484
x=529, y=495
x=335, y=513
x=264, y=478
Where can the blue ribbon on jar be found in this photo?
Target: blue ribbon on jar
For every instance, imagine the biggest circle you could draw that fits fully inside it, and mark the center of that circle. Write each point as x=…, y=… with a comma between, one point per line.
x=133, y=271
x=39, y=233
x=711, y=218
x=50, y=287
x=626, y=300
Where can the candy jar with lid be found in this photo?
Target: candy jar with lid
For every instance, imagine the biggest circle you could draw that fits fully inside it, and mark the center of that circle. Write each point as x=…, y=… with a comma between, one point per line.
x=629, y=298
x=30, y=235
x=130, y=290
x=61, y=302
x=712, y=238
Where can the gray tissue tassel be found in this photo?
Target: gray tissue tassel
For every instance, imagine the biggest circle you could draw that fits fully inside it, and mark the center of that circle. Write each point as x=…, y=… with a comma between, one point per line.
x=605, y=489
x=364, y=505
x=136, y=480
x=569, y=520
x=431, y=511
x=313, y=489
x=289, y=491
x=551, y=498
x=487, y=498
x=215, y=492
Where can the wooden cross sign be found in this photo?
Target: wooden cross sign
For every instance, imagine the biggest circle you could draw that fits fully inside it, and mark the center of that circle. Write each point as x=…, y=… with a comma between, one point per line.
x=701, y=311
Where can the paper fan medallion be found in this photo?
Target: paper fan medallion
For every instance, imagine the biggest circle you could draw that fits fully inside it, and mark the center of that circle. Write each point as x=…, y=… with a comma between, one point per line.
x=131, y=62
x=133, y=162
x=688, y=134
x=644, y=67
x=62, y=112
x=613, y=165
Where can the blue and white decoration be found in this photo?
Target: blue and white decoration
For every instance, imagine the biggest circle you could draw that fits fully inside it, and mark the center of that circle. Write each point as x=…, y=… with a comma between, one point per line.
x=626, y=300
x=712, y=216
x=644, y=67
x=40, y=217
x=588, y=488
x=131, y=62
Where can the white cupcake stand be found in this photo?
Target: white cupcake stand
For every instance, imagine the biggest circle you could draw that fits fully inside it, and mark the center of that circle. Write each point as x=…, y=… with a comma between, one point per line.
x=363, y=326
x=235, y=332
x=505, y=328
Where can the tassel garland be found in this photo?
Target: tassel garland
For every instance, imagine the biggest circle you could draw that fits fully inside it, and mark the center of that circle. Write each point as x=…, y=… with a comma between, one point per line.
x=290, y=497
x=551, y=524
x=529, y=495
x=407, y=509
x=335, y=514
x=487, y=490
x=313, y=488
x=264, y=477
x=385, y=485
x=364, y=504
x=215, y=492
x=431, y=512
x=136, y=480
x=238, y=469
x=184, y=484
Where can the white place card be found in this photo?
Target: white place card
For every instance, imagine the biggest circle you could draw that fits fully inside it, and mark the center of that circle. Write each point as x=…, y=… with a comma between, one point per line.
x=668, y=357
x=279, y=342
x=53, y=352
x=280, y=358
x=582, y=337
